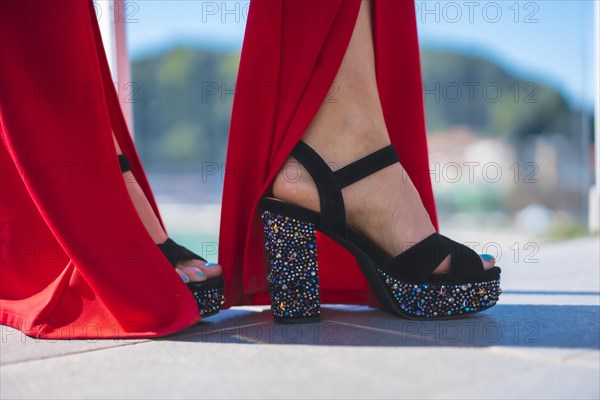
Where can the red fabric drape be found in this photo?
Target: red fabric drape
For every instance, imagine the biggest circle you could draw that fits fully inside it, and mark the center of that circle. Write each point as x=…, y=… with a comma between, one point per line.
x=76, y=261
x=72, y=245
x=292, y=51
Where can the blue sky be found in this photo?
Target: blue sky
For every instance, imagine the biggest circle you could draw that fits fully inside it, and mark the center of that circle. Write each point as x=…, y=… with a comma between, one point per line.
x=548, y=41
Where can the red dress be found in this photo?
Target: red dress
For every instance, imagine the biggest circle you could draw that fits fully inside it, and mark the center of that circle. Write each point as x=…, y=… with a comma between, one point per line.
x=76, y=260
x=292, y=51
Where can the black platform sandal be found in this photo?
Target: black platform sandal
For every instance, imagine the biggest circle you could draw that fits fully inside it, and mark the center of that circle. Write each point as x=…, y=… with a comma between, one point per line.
x=209, y=293
x=404, y=284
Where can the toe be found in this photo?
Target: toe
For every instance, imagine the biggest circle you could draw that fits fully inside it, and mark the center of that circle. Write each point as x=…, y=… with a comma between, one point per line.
x=194, y=274
x=211, y=270
x=488, y=260
x=444, y=267
x=182, y=275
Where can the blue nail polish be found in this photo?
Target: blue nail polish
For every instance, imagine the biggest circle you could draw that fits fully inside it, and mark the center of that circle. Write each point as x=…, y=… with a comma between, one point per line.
x=210, y=264
x=487, y=257
x=185, y=278
x=200, y=274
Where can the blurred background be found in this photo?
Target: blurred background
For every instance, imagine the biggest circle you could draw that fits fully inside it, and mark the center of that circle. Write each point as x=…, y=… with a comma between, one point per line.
x=509, y=95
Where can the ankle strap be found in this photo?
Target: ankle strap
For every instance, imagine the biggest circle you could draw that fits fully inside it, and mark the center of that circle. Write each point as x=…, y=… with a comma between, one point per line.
x=330, y=184
x=175, y=252
x=366, y=166
x=124, y=163
x=333, y=213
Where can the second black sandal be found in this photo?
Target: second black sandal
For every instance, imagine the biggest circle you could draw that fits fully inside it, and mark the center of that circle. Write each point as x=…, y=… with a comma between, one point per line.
x=209, y=294
x=405, y=284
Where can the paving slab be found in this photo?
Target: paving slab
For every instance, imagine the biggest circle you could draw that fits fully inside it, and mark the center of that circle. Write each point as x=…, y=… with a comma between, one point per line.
x=17, y=347
x=181, y=369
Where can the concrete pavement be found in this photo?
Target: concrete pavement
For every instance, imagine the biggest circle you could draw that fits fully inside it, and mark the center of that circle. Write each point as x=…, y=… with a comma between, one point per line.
x=542, y=340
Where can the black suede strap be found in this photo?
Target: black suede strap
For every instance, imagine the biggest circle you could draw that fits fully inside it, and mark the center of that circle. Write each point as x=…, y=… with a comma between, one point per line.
x=366, y=166
x=330, y=184
x=417, y=263
x=464, y=262
x=176, y=253
x=333, y=212
x=124, y=162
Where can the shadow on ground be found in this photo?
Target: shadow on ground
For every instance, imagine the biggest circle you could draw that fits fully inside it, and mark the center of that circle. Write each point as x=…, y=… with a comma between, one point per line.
x=504, y=325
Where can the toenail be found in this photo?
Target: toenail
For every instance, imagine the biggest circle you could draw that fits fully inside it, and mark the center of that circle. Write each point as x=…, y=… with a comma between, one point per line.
x=487, y=257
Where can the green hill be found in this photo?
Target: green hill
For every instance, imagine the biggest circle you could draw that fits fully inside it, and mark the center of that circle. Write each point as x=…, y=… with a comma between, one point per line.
x=183, y=103
x=465, y=90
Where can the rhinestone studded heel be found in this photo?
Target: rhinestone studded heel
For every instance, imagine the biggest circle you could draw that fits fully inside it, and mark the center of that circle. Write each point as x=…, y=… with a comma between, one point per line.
x=209, y=293
x=293, y=275
x=405, y=284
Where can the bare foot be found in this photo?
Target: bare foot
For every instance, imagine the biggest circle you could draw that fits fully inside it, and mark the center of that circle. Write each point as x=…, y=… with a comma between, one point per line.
x=385, y=206
x=188, y=270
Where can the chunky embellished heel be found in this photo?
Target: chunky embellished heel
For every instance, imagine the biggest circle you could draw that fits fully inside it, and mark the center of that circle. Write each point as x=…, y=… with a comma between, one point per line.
x=209, y=294
x=293, y=274
x=405, y=284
